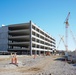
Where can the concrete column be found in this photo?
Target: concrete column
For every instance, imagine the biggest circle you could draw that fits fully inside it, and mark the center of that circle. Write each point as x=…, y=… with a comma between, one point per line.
x=30, y=38
x=35, y=44
x=39, y=45
x=39, y=52
x=35, y=52
x=44, y=52
x=44, y=44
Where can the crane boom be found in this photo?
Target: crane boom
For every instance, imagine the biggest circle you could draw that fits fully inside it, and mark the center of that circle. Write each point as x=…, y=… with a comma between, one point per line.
x=59, y=42
x=62, y=38
x=66, y=20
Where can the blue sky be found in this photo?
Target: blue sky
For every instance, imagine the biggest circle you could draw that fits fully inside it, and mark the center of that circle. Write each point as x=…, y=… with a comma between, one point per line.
x=47, y=14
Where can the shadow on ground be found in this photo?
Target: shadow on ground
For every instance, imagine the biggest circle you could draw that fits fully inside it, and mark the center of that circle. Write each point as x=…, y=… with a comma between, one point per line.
x=63, y=59
x=60, y=59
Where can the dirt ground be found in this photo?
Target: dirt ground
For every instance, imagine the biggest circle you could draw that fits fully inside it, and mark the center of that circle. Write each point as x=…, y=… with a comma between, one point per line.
x=27, y=65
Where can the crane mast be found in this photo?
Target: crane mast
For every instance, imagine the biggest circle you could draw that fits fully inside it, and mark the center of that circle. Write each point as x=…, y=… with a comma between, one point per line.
x=66, y=33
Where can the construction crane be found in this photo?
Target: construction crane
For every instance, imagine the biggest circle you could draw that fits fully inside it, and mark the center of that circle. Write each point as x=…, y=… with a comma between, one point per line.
x=61, y=39
x=66, y=33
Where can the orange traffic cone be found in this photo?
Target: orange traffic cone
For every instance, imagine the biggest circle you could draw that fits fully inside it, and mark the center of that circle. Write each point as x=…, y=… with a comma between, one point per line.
x=14, y=60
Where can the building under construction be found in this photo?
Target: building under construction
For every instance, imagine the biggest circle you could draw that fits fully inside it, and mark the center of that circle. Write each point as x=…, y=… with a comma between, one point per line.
x=25, y=38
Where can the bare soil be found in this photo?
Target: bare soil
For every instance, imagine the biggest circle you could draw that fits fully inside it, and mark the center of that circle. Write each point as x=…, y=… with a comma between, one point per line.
x=27, y=65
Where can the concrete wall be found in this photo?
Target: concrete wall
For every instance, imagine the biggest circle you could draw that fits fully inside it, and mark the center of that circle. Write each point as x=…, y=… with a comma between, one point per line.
x=4, y=38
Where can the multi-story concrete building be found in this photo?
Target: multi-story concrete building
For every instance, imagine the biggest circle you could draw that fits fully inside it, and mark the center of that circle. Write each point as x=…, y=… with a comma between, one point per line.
x=25, y=38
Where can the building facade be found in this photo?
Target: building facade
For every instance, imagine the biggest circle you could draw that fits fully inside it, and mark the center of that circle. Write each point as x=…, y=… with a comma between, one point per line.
x=3, y=38
x=26, y=38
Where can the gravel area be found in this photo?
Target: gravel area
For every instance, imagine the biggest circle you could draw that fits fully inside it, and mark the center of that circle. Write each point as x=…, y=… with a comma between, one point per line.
x=41, y=65
x=60, y=68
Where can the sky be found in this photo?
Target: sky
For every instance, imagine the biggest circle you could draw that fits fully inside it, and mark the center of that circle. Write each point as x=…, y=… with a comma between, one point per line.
x=49, y=15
